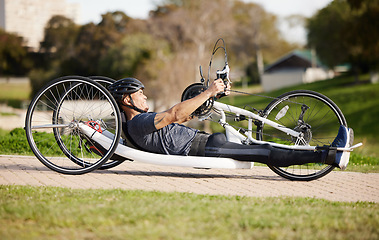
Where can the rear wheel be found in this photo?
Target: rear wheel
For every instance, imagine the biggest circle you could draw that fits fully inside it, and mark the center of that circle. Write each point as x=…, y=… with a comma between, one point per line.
x=53, y=119
x=105, y=82
x=314, y=115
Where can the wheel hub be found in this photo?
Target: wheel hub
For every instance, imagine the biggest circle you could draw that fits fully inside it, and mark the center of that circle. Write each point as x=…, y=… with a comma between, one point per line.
x=306, y=134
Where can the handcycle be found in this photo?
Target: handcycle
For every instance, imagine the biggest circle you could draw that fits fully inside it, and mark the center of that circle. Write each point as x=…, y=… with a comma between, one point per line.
x=74, y=126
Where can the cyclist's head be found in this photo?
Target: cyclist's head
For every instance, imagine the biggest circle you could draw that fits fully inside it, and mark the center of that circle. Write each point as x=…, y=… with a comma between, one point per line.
x=124, y=87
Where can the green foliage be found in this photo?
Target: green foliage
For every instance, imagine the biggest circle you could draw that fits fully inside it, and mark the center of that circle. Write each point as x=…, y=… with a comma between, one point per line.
x=132, y=54
x=50, y=213
x=346, y=32
x=69, y=49
x=327, y=33
x=14, y=60
x=39, y=77
x=60, y=35
x=15, y=142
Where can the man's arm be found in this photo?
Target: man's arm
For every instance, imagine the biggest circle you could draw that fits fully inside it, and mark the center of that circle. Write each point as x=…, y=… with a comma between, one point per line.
x=180, y=112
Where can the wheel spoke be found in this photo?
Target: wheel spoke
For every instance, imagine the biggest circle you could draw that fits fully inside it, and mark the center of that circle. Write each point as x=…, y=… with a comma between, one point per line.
x=52, y=124
x=320, y=125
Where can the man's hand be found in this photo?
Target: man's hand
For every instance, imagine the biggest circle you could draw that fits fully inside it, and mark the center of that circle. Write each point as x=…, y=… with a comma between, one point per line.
x=218, y=86
x=181, y=111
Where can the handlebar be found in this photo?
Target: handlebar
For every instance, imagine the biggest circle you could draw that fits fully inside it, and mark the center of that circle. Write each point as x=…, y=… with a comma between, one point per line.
x=224, y=75
x=220, y=74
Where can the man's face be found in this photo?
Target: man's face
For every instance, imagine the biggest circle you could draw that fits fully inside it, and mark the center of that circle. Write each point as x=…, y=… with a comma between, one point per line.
x=139, y=99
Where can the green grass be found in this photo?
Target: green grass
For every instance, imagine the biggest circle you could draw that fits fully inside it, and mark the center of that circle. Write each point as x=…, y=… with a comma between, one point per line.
x=59, y=213
x=14, y=142
x=7, y=114
x=18, y=91
x=14, y=94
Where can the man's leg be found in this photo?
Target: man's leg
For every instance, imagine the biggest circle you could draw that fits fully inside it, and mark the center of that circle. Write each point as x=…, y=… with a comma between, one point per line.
x=218, y=146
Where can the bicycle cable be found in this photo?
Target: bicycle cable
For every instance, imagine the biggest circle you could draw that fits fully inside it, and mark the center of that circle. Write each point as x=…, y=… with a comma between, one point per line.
x=215, y=49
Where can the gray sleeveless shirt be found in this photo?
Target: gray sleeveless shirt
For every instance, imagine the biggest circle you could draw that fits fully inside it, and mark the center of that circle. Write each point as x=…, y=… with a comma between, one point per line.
x=173, y=139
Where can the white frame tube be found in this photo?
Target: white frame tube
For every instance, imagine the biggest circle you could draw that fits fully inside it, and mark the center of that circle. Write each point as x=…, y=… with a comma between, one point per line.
x=230, y=131
x=105, y=139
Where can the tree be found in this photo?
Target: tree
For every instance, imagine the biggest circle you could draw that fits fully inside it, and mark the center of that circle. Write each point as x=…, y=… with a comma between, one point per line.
x=166, y=49
x=69, y=49
x=258, y=37
x=14, y=59
x=94, y=41
x=346, y=32
x=116, y=22
x=56, y=50
x=190, y=28
x=366, y=41
x=59, y=38
x=131, y=54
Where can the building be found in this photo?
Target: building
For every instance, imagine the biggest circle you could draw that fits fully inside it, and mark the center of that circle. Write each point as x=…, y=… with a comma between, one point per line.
x=299, y=66
x=28, y=18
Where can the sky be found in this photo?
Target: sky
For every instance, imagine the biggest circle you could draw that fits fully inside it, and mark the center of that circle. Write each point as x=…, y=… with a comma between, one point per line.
x=91, y=11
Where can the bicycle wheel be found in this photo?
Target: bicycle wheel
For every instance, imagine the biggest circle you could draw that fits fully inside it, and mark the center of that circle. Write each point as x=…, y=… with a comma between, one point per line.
x=314, y=115
x=105, y=82
x=52, y=121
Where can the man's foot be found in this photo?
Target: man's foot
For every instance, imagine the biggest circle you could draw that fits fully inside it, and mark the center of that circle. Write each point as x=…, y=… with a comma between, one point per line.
x=344, y=139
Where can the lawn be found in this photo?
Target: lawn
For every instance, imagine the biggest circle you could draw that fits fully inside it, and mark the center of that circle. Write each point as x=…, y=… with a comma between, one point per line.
x=59, y=213
x=14, y=94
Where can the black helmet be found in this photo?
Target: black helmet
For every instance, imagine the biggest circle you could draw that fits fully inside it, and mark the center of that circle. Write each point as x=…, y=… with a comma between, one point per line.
x=125, y=85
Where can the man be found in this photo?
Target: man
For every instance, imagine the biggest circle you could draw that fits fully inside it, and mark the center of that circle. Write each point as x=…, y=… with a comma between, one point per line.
x=163, y=132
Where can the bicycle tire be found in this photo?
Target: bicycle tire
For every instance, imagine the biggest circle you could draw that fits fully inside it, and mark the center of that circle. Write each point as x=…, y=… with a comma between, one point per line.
x=105, y=82
x=320, y=126
x=112, y=162
x=56, y=110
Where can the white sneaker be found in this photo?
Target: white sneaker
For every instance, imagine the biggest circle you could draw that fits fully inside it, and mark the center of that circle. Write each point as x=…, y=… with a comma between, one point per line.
x=344, y=139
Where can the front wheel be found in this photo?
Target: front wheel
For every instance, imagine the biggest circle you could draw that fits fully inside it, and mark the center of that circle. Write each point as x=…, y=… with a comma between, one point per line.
x=314, y=115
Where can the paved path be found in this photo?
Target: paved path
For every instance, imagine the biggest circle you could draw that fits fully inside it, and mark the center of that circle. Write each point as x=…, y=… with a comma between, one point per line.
x=259, y=181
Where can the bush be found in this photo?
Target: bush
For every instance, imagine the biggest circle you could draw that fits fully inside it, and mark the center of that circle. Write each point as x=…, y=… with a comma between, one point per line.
x=15, y=142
